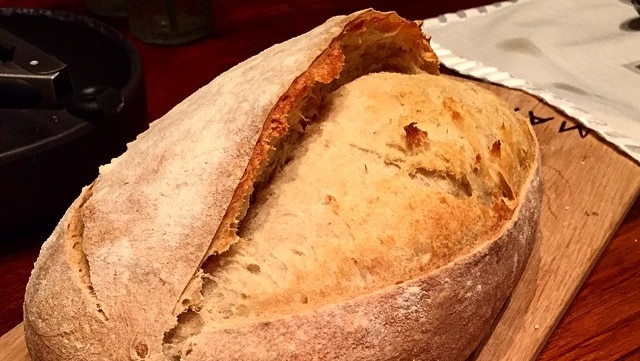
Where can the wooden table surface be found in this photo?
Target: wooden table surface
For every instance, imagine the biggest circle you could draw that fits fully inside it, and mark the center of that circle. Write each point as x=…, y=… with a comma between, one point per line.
x=602, y=323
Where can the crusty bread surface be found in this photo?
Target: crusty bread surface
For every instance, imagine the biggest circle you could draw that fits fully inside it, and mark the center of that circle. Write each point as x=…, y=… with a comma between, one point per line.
x=358, y=207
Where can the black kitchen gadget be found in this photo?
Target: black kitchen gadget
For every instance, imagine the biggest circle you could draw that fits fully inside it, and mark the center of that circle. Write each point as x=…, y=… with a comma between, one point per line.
x=71, y=97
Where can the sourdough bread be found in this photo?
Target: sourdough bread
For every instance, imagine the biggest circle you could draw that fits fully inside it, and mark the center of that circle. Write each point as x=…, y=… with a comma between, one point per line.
x=359, y=207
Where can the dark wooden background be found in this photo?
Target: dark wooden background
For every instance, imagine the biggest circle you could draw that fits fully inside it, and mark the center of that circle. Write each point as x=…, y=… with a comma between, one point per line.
x=603, y=322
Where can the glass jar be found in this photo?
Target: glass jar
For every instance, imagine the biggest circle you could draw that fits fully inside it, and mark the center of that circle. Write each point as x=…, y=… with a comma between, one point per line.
x=110, y=8
x=169, y=22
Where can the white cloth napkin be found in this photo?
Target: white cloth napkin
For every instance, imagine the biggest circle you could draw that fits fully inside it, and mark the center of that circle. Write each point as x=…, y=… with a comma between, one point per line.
x=580, y=56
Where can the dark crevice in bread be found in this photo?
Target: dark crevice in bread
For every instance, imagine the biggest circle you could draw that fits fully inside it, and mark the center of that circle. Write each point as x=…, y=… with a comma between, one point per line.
x=449, y=182
x=78, y=258
x=362, y=48
x=191, y=322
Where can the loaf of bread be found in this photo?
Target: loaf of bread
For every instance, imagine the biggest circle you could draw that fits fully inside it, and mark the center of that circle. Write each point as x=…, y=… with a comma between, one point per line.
x=332, y=198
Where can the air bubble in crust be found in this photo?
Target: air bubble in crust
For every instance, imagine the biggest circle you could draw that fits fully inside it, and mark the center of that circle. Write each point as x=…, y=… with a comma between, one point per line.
x=253, y=268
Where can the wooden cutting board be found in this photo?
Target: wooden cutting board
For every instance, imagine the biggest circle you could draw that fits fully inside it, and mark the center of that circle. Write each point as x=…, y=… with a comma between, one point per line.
x=588, y=188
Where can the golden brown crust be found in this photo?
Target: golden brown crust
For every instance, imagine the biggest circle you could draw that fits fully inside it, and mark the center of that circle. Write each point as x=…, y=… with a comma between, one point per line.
x=164, y=199
x=440, y=319
x=126, y=258
x=441, y=316
x=328, y=67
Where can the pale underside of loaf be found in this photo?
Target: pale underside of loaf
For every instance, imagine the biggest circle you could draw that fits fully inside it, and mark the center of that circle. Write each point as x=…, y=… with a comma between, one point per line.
x=157, y=261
